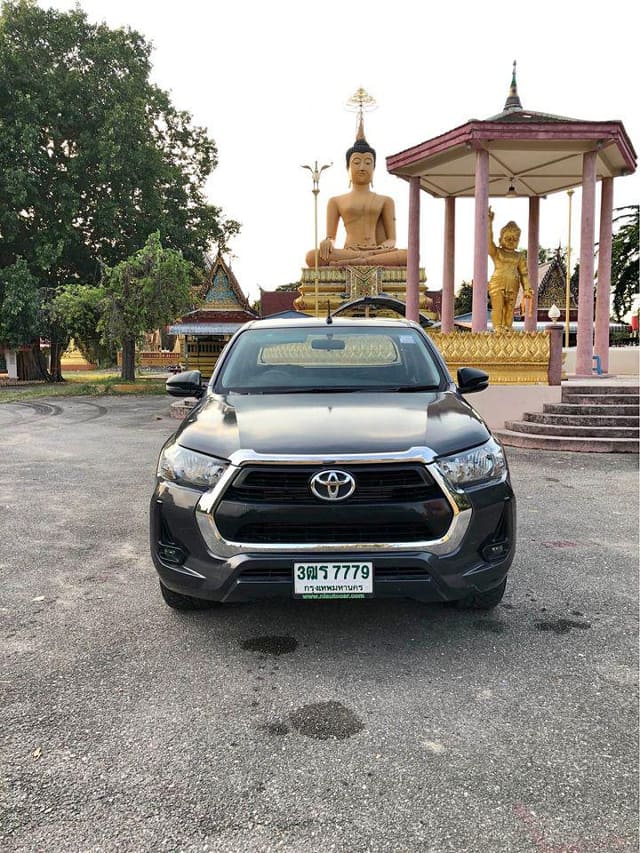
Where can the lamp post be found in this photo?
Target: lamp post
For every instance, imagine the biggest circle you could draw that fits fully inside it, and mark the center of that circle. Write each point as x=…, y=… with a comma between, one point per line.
x=567, y=302
x=315, y=175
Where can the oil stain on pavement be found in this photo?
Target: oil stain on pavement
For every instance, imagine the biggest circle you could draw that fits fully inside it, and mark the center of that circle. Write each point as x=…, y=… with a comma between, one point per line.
x=561, y=626
x=325, y=720
x=270, y=645
x=278, y=728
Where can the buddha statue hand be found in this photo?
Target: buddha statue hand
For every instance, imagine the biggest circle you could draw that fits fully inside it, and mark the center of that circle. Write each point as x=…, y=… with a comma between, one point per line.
x=325, y=249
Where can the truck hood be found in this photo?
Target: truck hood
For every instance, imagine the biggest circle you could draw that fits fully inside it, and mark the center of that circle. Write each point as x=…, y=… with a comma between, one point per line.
x=332, y=423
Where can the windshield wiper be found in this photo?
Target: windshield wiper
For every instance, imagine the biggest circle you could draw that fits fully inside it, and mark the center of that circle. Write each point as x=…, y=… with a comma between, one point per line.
x=326, y=389
x=405, y=388
x=294, y=390
x=335, y=389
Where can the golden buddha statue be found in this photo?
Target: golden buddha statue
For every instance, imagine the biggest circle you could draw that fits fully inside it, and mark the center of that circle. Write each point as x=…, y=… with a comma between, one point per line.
x=510, y=271
x=368, y=218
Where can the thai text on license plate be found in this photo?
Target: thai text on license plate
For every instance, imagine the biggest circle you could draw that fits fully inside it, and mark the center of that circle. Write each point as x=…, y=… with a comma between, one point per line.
x=332, y=580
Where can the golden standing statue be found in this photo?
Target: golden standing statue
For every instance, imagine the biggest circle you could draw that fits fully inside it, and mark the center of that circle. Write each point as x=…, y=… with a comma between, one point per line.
x=510, y=272
x=369, y=219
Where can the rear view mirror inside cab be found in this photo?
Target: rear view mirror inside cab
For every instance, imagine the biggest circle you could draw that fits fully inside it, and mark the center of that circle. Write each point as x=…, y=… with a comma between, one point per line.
x=327, y=343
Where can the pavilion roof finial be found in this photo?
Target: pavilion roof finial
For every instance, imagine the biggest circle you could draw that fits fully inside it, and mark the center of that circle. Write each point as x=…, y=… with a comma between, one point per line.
x=513, y=100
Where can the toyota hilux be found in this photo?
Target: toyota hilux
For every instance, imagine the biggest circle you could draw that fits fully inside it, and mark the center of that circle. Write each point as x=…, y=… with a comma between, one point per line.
x=332, y=459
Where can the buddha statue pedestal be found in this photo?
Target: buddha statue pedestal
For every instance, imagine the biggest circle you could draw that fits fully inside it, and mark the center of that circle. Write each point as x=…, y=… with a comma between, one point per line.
x=337, y=285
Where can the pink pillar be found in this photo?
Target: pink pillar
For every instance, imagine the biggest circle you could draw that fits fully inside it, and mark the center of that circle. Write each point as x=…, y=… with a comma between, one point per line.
x=584, y=347
x=554, y=371
x=481, y=241
x=533, y=245
x=413, y=250
x=603, y=291
x=448, y=266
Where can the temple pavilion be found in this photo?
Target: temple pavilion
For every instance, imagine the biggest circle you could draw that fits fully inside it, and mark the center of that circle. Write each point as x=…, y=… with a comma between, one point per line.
x=533, y=154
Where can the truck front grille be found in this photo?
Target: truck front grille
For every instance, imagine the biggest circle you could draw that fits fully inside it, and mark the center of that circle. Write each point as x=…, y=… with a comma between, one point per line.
x=374, y=484
x=392, y=503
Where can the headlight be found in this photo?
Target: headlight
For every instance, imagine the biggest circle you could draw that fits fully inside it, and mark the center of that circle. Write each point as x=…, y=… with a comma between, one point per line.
x=479, y=465
x=190, y=468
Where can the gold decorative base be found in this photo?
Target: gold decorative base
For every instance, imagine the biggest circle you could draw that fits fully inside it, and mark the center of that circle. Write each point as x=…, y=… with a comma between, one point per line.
x=337, y=285
x=510, y=358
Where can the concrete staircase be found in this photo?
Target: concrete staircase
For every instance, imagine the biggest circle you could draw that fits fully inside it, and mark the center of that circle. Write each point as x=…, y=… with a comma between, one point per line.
x=595, y=418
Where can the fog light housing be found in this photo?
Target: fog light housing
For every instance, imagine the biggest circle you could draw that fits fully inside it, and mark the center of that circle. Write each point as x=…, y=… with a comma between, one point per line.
x=495, y=551
x=173, y=554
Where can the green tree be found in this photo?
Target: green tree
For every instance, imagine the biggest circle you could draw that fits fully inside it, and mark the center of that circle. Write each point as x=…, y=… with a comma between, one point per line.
x=78, y=309
x=624, y=260
x=19, y=305
x=148, y=290
x=93, y=156
x=464, y=299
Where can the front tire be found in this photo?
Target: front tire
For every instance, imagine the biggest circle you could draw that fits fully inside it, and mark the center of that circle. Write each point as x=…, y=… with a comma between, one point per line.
x=484, y=600
x=184, y=602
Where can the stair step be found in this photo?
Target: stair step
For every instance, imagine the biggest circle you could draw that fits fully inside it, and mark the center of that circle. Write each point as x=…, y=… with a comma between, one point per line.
x=536, y=441
x=600, y=389
x=582, y=420
x=601, y=399
x=570, y=409
x=546, y=428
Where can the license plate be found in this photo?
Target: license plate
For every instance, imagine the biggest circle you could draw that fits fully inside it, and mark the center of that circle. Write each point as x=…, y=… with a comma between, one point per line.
x=332, y=580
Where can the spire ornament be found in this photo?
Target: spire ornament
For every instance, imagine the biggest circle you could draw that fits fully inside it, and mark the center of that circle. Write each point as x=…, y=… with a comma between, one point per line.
x=513, y=99
x=361, y=102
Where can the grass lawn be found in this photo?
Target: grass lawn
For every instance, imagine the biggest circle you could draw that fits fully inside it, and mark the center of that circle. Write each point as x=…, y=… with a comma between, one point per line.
x=82, y=385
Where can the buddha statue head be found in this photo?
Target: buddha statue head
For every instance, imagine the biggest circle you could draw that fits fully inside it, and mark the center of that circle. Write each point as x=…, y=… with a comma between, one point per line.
x=360, y=146
x=361, y=159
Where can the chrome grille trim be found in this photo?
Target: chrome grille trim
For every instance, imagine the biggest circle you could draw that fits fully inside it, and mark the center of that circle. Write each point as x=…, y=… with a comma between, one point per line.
x=222, y=548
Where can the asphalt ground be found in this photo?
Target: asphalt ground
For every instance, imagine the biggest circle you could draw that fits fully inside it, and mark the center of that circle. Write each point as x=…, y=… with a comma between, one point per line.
x=305, y=726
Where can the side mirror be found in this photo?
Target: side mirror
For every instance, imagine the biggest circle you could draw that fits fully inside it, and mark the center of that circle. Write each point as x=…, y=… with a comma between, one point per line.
x=470, y=380
x=188, y=384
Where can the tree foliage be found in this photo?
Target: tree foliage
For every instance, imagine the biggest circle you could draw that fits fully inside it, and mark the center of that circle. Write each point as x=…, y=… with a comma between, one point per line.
x=19, y=305
x=78, y=309
x=148, y=290
x=464, y=299
x=93, y=156
x=624, y=260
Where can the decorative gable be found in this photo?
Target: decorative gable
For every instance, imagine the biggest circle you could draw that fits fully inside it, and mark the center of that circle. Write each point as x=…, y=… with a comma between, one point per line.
x=552, y=285
x=221, y=291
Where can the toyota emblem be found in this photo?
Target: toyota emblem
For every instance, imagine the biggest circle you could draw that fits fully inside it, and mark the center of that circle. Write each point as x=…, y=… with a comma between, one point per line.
x=332, y=485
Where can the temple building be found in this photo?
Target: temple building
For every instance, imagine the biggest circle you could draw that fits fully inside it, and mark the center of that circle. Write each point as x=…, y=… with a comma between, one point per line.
x=552, y=290
x=222, y=310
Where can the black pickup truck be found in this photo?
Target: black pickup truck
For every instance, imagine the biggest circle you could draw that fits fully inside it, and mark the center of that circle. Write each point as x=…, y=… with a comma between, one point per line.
x=332, y=459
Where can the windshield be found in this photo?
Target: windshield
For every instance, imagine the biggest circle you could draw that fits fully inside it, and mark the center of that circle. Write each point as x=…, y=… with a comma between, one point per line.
x=314, y=360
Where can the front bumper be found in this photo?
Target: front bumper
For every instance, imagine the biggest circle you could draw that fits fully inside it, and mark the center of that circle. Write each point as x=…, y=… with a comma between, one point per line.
x=192, y=559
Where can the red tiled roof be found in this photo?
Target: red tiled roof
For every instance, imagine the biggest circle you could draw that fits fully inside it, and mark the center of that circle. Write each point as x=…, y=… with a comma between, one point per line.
x=274, y=301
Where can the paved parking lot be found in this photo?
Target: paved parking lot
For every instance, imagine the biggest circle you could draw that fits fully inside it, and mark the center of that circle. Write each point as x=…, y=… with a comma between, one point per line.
x=305, y=726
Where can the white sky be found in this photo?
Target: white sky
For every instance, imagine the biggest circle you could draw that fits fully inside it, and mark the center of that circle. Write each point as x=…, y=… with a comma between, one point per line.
x=269, y=81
